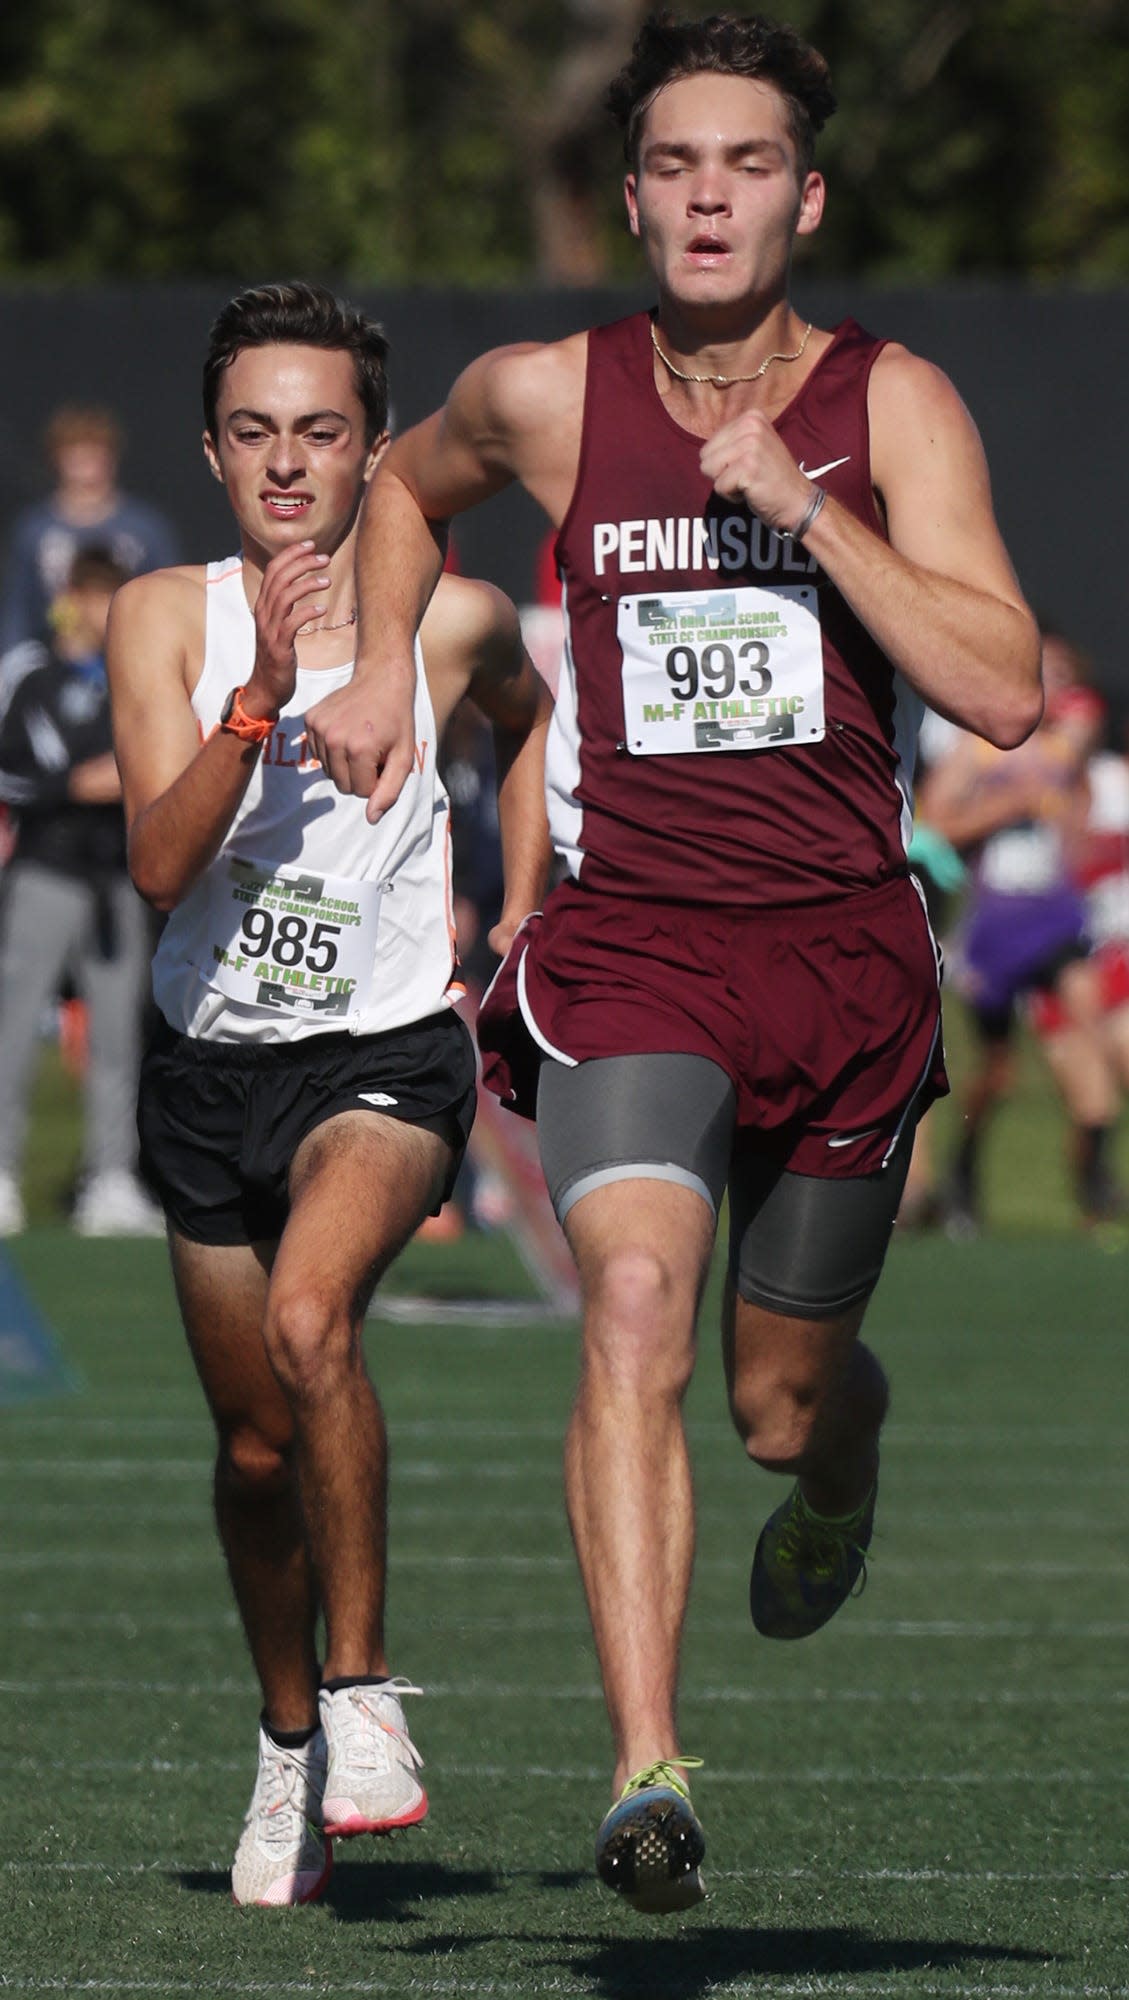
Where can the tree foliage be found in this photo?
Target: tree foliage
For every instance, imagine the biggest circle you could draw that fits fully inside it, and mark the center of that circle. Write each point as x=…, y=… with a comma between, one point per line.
x=464, y=140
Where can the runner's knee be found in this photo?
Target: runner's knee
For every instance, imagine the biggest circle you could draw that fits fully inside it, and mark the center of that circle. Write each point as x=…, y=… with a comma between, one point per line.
x=310, y=1341
x=251, y=1465
x=775, y=1408
x=639, y=1322
x=784, y=1406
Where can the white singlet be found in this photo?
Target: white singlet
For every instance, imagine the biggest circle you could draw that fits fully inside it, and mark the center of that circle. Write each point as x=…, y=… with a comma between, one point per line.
x=309, y=919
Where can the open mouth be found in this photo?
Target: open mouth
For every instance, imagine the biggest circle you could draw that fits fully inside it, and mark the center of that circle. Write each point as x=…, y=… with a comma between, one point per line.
x=708, y=246
x=286, y=506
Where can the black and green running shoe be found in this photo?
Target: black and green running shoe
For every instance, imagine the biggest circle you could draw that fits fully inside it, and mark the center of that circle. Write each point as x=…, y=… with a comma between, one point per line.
x=650, y=1846
x=806, y=1565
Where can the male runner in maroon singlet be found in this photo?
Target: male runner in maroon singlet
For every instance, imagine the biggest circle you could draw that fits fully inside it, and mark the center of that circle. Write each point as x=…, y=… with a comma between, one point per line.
x=775, y=541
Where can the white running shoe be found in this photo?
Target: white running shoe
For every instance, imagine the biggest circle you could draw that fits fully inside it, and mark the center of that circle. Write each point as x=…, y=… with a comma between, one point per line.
x=371, y=1784
x=283, y=1856
x=114, y=1203
x=13, y=1215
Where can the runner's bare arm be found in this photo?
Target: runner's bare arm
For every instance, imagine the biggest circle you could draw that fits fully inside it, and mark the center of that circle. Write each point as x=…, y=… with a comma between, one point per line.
x=494, y=428
x=941, y=597
x=180, y=795
x=472, y=645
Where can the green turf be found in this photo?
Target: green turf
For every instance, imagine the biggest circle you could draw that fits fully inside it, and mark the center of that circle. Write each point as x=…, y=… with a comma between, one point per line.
x=54, y=1147
x=928, y=1798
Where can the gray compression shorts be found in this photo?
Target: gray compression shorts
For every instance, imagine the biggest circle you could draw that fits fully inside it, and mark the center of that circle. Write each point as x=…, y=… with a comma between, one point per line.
x=807, y=1247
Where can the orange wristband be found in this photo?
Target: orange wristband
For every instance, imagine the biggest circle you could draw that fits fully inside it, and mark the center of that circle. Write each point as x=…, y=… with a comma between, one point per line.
x=236, y=721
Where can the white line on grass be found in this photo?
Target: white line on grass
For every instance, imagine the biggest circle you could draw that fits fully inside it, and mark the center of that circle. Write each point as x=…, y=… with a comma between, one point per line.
x=134, y=1562
x=409, y=1471
x=34, y=1560
x=928, y=1629
x=140, y=1465
x=850, y=1775
x=125, y=1622
x=909, y=1436
x=589, y=1774
x=119, y=1426
x=205, y=1690
x=480, y=1691
x=531, y=1622
x=197, y=1514
x=1021, y=1877
x=105, y=1468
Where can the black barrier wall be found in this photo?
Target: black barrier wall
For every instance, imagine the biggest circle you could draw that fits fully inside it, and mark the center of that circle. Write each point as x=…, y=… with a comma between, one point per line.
x=1042, y=372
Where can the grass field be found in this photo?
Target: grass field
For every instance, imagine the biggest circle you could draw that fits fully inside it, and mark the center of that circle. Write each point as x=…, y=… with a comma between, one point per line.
x=929, y=1798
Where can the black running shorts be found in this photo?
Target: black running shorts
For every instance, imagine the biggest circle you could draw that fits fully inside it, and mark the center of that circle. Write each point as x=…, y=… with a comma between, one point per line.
x=220, y=1122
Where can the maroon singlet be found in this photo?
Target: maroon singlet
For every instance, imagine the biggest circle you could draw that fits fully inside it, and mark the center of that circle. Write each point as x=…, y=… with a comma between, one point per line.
x=732, y=828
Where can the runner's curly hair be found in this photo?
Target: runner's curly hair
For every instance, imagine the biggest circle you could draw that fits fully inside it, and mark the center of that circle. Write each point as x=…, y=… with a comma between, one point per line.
x=726, y=45
x=300, y=315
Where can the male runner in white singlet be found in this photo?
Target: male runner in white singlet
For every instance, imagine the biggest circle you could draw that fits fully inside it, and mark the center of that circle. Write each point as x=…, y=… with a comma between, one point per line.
x=775, y=540
x=309, y=1092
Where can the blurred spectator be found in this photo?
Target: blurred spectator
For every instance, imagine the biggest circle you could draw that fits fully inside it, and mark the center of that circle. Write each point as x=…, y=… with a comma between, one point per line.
x=467, y=769
x=68, y=906
x=1102, y=872
x=85, y=509
x=1018, y=818
x=466, y=766
x=940, y=875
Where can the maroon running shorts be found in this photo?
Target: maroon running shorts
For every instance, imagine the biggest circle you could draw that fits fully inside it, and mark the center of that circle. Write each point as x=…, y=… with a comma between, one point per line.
x=826, y=1018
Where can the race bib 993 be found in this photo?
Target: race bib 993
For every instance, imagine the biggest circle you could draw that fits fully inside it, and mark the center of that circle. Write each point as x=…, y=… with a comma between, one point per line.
x=738, y=669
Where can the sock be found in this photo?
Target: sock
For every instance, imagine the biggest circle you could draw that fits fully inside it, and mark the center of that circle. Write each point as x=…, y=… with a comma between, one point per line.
x=964, y=1169
x=290, y=1739
x=1092, y=1143
x=355, y=1681
x=838, y=1520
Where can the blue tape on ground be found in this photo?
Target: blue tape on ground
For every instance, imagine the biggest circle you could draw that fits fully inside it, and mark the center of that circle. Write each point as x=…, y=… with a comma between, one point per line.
x=30, y=1361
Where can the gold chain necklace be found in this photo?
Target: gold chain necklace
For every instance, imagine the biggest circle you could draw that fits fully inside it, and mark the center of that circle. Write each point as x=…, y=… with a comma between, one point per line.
x=304, y=631
x=723, y=381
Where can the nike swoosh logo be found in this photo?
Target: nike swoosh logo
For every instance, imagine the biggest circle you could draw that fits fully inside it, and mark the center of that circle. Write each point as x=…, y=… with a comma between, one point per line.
x=852, y=1138
x=376, y=1097
x=817, y=471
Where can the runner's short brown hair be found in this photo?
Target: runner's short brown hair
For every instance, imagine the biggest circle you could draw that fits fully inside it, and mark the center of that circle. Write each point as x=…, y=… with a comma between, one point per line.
x=301, y=315
x=725, y=45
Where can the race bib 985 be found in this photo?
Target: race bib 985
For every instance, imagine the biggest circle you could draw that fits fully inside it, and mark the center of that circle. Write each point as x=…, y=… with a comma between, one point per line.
x=290, y=941
x=738, y=669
